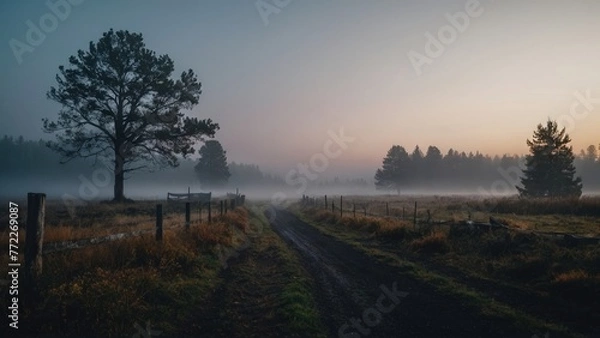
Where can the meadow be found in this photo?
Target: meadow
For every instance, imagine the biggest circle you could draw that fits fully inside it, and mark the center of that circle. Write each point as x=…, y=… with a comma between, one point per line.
x=107, y=289
x=519, y=270
x=574, y=216
x=113, y=288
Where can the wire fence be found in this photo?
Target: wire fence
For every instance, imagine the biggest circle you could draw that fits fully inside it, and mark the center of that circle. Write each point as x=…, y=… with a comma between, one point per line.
x=172, y=215
x=423, y=218
x=178, y=215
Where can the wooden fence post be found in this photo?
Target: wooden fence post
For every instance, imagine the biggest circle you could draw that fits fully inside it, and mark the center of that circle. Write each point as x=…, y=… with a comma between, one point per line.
x=326, y=202
x=354, y=210
x=341, y=208
x=225, y=205
x=221, y=206
x=159, y=222
x=232, y=203
x=36, y=212
x=187, y=215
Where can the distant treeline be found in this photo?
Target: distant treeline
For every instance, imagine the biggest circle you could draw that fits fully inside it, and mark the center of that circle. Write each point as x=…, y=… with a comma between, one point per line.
x=249, y=175
x=470, y=171
x=25, y=159
x=32, y=160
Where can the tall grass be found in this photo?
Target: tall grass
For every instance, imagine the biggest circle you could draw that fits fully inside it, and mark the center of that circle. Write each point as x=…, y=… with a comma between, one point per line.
x=392, y=228
x=107, y=288
x=584, y=206
x=515, y=257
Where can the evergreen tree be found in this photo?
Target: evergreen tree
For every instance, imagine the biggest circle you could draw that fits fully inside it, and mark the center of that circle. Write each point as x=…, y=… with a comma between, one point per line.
x=417, y=159
x=245, y=175
x=549, y=168
x=591, y=153
x=212, y=169
x=120, y=102
x=394, y=172
x=432, y=167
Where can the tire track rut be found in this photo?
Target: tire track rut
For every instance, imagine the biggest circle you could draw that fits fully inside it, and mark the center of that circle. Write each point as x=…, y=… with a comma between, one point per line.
x=360, y=297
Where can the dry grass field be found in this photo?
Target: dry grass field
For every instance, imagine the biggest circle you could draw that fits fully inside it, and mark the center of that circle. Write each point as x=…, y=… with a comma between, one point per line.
x=574, y=216
x=557, y=279
x=104, y=289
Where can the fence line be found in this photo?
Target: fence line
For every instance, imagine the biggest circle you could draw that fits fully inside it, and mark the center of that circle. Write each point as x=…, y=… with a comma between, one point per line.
x=34, y=239
x=77, y=244
x=36, y=213
x=190, y=197
x=493, y=224
x=306, y=200
x=81, y=243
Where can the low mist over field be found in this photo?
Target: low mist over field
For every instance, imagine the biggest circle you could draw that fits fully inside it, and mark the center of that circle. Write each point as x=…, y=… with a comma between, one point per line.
x=311, y=103
x=32, y=166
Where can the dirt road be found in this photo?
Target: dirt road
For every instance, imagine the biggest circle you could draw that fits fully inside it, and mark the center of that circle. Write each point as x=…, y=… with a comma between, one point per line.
x=358, y=296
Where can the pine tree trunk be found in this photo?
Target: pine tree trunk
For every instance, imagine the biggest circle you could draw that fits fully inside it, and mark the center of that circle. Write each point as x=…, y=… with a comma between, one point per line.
x=119, y=195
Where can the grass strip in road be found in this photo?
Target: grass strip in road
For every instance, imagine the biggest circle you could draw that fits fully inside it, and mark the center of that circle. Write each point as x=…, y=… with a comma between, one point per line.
x=277, y=286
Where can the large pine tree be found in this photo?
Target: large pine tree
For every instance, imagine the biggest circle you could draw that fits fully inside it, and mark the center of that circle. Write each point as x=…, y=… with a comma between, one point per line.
x=549, y=166
x=395, y=170
x=212, y=169
x=120, y=102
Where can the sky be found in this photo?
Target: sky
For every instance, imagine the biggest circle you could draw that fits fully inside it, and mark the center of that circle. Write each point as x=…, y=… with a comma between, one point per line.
x=281, y=77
